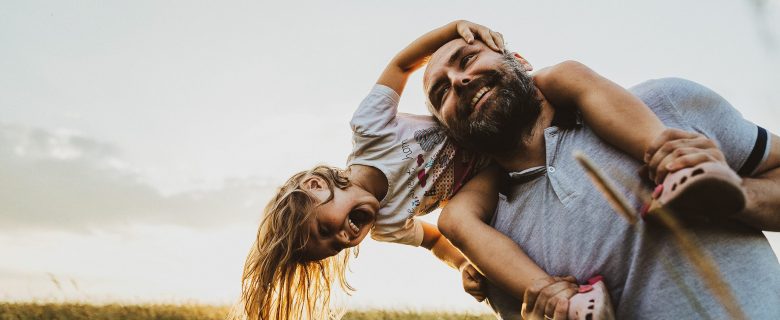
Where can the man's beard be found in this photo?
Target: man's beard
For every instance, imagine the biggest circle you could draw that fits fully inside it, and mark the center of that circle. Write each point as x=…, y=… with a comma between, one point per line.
x=503, y=121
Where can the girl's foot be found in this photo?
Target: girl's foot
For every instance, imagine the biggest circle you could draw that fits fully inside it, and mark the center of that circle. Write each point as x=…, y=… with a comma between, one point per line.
x=708, y=189
x=592, y=302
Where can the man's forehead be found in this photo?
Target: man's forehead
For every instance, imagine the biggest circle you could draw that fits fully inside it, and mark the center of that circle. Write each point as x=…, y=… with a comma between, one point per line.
x=439, y=58
x=442, y=55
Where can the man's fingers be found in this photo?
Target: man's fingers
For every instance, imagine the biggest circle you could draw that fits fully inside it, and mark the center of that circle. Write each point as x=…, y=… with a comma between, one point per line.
x=529, y=300
x=561, y=310
x=571, y=279
x=548, y=296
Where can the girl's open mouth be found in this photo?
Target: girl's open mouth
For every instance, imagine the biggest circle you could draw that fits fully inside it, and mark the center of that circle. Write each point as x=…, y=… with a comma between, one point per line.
x=357, y=219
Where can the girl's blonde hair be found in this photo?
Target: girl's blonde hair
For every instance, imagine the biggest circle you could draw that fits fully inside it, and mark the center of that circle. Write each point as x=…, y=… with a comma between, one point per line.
x=278, y=282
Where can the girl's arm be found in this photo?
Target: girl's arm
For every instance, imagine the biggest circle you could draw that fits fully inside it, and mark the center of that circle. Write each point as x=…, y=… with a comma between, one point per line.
x=464, y=221
x=611, y=111
x=443, y=249
x=416, y=53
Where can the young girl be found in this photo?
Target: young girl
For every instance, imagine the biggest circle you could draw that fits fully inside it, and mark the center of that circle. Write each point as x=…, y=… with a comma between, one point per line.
x=403, y=166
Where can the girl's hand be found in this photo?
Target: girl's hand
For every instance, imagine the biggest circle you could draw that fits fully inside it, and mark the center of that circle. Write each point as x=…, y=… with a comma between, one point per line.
x=473, y=282
x=492, y=39
x=676, y=149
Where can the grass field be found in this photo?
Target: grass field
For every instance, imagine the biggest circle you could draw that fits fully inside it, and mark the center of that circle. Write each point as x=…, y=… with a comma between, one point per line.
x=76, y=311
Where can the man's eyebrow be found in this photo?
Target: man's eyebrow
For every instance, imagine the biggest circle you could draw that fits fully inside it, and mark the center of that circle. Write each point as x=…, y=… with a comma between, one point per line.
x=438, y=83
x=455, y=55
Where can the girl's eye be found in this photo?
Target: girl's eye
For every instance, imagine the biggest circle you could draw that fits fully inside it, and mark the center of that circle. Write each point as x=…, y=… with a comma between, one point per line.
x=324, y=231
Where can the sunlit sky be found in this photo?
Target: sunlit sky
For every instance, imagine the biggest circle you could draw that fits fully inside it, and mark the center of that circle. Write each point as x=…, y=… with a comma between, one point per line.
x=139, y=140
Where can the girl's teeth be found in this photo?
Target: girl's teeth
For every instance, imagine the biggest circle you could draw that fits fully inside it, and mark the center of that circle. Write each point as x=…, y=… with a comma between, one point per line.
x=353, y=226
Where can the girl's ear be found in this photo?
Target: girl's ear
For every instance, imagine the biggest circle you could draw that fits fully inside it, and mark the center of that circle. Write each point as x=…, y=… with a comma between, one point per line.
x=313, y=183
x=316, y=187
x=524, y=63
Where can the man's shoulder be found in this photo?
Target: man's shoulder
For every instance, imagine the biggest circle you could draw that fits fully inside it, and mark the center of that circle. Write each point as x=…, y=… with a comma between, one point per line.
x=682, y=95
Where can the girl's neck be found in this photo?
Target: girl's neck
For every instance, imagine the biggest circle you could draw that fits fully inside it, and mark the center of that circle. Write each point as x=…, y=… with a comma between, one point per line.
x=368, y=178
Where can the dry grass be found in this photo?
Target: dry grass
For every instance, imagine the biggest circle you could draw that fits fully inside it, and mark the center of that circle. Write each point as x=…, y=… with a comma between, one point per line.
x=79, y=311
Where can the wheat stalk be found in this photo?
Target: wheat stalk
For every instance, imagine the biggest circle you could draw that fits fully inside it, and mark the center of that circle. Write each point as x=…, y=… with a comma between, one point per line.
x=703, y=263
x=600, y=180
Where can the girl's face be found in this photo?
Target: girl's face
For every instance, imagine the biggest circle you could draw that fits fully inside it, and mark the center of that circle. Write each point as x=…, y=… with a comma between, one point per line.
x=342, y=222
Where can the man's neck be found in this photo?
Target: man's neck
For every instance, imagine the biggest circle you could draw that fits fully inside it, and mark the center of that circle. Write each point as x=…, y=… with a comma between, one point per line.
x=531, y=150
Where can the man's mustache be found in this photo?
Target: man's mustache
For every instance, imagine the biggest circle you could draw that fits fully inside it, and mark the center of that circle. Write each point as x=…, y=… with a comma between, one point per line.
x=464, y=108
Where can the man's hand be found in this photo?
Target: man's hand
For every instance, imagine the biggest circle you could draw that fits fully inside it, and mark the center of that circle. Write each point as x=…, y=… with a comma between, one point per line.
x=549, y=299
x=676, y=149
x=473, y=282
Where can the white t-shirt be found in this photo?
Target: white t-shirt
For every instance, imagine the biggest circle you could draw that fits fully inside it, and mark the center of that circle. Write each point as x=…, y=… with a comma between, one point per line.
x=422, y=166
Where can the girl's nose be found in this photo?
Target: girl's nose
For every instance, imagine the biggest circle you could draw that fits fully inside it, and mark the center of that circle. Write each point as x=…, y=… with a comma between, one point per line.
x=342, y=237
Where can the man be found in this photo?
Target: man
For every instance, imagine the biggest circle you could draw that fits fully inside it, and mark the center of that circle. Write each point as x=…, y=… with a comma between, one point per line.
x=563, y=223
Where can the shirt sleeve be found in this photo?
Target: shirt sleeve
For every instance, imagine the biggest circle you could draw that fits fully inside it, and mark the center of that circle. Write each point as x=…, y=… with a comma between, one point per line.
x=376, y=111
x=743, y=143
x=410, y=233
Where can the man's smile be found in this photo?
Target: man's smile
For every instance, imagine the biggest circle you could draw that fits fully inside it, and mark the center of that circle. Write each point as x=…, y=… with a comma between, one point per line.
x=475, y=95
x=477, y=102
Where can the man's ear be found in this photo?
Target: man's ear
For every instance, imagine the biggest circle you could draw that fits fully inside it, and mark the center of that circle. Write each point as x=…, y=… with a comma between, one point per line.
x=524, y=63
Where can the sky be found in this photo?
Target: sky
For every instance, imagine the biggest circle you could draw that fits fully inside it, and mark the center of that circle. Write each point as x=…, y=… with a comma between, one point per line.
x=140, y=140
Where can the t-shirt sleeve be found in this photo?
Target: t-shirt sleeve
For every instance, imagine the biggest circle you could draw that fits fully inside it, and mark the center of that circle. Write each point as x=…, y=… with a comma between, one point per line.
x=376, y=111
x=744, y=144
x=409, y=232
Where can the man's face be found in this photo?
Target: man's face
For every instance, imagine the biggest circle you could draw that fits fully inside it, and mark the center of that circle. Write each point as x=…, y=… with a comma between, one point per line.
x=484, y=98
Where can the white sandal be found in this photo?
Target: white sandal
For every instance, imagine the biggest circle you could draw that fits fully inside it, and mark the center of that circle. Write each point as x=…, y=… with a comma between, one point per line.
x=592, y=302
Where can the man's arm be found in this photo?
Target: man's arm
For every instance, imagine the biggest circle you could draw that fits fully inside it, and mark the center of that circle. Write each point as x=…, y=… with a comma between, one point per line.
x=416, y=53
x=762, y=210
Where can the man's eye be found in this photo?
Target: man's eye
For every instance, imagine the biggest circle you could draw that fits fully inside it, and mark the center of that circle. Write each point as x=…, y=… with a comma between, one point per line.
x=444, y=93
x=466, y=59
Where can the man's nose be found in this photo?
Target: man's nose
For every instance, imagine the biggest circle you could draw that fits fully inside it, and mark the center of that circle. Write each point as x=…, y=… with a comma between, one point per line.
x=460, y=80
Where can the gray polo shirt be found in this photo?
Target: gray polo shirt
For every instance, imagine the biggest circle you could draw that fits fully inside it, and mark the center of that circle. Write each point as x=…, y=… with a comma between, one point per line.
x=564, y=224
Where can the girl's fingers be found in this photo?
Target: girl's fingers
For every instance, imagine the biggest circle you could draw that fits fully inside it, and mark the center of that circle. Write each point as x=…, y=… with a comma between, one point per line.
x=688, y=161
x=466, y=34
x=666, y=136
x=488, y=38
x=499, y=39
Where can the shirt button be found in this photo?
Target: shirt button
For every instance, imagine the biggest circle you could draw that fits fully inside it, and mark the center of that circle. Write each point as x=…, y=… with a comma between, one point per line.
x=550, y=169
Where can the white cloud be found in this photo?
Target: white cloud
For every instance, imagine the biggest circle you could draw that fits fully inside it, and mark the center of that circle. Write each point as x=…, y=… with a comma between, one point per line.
x=61, y=180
